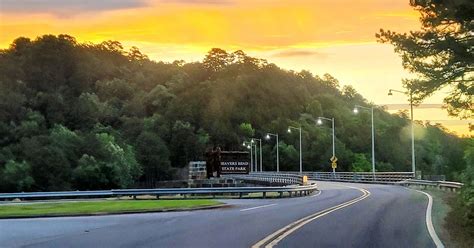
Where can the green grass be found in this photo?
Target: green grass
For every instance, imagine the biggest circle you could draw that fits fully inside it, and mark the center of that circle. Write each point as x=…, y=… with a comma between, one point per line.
x=99, y=207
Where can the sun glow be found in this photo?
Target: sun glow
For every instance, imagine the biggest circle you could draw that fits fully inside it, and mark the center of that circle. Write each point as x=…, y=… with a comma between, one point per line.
x=318, y=35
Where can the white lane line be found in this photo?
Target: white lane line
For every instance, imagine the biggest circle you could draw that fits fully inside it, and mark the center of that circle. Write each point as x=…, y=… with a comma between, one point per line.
x=263, y=206
x=429, y=223
x=274, y=238
x=320, y=191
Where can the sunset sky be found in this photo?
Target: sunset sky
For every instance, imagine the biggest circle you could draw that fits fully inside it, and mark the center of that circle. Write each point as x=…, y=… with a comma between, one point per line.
x=333, y=36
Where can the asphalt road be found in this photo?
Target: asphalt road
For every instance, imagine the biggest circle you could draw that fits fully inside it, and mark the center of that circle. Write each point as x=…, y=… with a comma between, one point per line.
x=391, y=216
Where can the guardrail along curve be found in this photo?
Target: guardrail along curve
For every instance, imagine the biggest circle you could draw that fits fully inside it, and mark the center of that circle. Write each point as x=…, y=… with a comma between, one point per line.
x=292, y=190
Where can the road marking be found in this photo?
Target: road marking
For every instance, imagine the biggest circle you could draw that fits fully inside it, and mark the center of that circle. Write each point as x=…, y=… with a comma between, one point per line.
x=317, y=194
x=429, y=223
x=263, y=206
x=274, y=238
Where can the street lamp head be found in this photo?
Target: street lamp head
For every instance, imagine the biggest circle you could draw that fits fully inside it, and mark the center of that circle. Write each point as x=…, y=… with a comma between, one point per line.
x=356, y=110
x=390, y=93
x=248, y=147
x=267, y=136
x=252, y=140
x=289, y=130
x=244, y=144
x=319, y=121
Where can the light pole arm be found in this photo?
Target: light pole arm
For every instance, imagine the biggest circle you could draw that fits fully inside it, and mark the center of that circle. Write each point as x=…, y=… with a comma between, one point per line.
x=324, y=118
x=297, y=128
x=362, y=107
x=399, y=91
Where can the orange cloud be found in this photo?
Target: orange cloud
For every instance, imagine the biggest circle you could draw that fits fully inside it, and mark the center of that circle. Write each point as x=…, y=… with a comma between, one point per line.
x=335, y=36
x=264, y=25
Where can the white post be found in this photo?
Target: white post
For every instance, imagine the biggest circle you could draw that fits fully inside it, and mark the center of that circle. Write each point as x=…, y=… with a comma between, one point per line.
x=261, y=155
x=413, y=168
x=251, y=158
x=256, y=162
x=373, y=143
x=278, y=157
x=301, y=156
x=333, y=143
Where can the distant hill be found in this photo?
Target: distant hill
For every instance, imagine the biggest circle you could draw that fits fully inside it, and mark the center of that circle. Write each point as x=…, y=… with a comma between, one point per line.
x=91, y=116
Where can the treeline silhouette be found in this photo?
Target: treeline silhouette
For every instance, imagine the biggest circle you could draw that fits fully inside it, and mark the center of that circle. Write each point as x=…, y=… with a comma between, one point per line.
x=96, y=116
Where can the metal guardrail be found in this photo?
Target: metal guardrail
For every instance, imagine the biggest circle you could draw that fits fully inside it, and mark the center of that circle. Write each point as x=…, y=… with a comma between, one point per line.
x=270, y=178
x=451, y=186
x=292, y=190
x=293, y=180
x=365, y=177
x=398, y=178
x=377, y=177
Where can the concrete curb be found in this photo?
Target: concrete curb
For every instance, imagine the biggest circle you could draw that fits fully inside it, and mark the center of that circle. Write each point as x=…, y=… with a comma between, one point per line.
x=223, y=205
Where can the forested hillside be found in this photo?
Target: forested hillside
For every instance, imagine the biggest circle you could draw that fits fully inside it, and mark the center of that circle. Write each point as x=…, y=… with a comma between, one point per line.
x=95, y=116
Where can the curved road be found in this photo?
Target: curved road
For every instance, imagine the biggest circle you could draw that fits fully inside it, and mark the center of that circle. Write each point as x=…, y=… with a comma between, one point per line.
x=342, y=215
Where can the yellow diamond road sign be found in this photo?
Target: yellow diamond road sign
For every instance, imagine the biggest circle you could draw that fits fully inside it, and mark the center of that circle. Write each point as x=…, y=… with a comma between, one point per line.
x=333, y=159
x=334, y=165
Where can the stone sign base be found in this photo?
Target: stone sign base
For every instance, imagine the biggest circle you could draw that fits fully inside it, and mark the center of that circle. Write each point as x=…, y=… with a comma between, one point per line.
x=214, y=183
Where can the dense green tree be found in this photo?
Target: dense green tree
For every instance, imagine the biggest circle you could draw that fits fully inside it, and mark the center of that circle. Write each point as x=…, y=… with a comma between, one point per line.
x=246, y=130
x=89, y=174
x=50, y=167
x=122, y=167
x=467, y=193
x=289, y=160
x=441, y=53
x=361, y=164
x=16, y=176
x=154, y=156
x=95, y=116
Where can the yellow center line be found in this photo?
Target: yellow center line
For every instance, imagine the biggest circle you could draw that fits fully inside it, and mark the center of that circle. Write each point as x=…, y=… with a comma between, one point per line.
x=274, y=238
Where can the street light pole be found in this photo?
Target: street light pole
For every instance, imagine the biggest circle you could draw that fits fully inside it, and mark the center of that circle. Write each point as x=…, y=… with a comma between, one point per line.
x=412, y=136
x=278, y=156
x=301, y=154
x=255, y=160
x=260, y=149
x=413, y=165
x=333, y=139
x=251, y=158
x=319, y=122
x=250, y=146
x=356, y=110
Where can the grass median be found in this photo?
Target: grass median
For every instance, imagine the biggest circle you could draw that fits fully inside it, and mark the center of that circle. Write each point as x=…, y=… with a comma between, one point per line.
x=100, y=207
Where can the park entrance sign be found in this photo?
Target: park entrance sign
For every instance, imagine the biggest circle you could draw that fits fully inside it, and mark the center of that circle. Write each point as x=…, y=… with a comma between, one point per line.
x=234, y=162
x=226, y=162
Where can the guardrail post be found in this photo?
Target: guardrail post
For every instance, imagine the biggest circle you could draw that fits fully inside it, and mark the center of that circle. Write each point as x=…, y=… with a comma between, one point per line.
x=157, y=197
x=281, y=194
x=264, y=195
x=240, y=195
